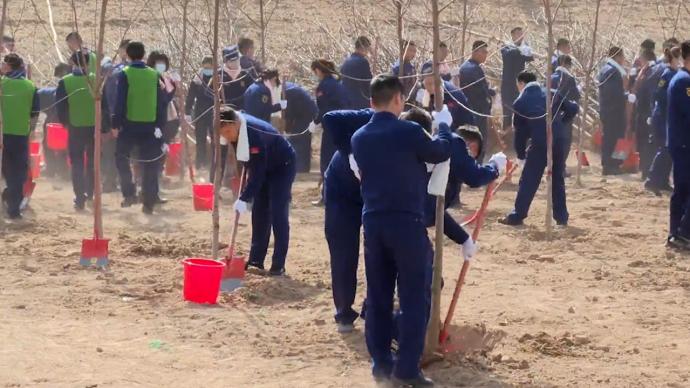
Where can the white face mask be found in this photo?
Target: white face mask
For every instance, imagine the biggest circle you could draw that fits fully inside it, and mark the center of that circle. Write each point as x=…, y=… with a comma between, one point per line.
x=161, y=67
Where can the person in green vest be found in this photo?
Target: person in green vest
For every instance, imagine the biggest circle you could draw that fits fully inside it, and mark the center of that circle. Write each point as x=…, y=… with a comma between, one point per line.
x=19, y=104
x=76, y=111
x=140, y=113
x=75, y=43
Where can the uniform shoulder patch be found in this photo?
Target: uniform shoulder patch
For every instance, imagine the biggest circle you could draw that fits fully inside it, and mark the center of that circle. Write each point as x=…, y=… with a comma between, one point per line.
x=662, y=83
x=264, y=99
x=254, y=150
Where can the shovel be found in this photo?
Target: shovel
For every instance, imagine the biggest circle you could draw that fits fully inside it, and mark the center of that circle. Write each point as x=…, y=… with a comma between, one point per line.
x=510, y=169
x=234, y=265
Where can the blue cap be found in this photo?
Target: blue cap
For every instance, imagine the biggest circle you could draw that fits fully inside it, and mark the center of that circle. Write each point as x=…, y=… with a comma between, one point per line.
x=231, y=53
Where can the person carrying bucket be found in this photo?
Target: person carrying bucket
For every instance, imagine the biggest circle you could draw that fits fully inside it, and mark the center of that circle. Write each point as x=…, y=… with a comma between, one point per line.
x=270, y=162
x=19, y=105
x=76, y=111
x=140, y=114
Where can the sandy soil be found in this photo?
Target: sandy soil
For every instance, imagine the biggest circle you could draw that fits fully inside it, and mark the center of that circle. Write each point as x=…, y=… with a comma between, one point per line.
x=603, y=304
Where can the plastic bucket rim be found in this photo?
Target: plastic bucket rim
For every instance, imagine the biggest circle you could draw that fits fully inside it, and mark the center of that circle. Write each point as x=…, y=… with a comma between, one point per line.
x=211, y=263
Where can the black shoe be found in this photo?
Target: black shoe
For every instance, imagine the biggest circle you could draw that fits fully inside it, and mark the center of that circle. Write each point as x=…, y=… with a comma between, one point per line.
x=652, y=188
x=79, y=205
x=562, y=223
x=15, y=216
x=253, y=265
x=161, y=201
x=129, y=201
x=147, y=209
x=276, y=272
x=679, y=242
x=419, y=381
x=510, y=221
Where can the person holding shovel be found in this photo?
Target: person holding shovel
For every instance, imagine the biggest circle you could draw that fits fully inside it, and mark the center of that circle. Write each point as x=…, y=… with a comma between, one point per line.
x=270, y=163
x=19, y=105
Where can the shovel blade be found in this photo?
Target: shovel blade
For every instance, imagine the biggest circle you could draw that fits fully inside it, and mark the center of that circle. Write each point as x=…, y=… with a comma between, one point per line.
x=94, y=248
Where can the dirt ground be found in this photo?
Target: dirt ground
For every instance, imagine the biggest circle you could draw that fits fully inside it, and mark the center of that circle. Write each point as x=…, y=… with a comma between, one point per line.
x=602, y=304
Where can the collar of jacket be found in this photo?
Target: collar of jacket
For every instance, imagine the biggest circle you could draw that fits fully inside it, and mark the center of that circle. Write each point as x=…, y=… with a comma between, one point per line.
x=16, y=74
x=383, y=115
x=530, y=85
x=139, y=64
x=617, y=66
x=565, y=71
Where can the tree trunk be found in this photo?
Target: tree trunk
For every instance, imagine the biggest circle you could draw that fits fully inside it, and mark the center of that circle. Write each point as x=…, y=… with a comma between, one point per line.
x=588, y=82
x=97, y=200
x=401, y=48
x=217, y=181
x=549, y=121
x=262, y=26
x=434, y=326
x=2, y=33
x=181, y=95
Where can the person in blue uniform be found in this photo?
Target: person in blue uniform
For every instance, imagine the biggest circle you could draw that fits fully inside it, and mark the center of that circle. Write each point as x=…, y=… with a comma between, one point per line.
x=248, y=60
x=476, y=88
x=140, y=113
x=199, y=110
x=300, y=113
x=516, y=55
x=270, y=164
x=407, y=70
x=530, y=125
x=563, y=47
x=453, y=98
x=343, y=222
x=678, y=143
x=612, y=102
x=330, y=95
x=447, y=73
x=660, y=170
x=19, y=106
x=464, y=169
x=356, y=74
x=644, y=88
x=564, y=83
x=261, y=99
x=110, y=88
x=55, y=161
x=389, y=156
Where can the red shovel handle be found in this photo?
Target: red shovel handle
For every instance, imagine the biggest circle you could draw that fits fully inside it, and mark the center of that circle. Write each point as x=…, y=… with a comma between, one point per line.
x=233, y=238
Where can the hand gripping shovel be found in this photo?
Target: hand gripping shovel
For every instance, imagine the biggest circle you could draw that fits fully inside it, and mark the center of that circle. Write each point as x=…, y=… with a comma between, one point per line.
x=491, y=189
x=234, y=265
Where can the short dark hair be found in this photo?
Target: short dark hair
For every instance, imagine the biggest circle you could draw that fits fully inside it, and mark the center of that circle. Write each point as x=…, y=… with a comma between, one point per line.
x=384, y=88
x=565, y=60
x=136, y=51
x=14, y=61
x=362, y=42
x=268, y=74
x=61, y=70
x=615, y=51
x=648, y=44
x=516, y=29
x=244, y=44
x=648, y=55
x=124, y=43
x=157, y=56
x=326, y=66
x=80, y=59
x=685, y=49
x=526, y=77
x=562, y=42
x=479, y=44
x=670, y=42
x=228, y=114
x=207, y=61
x=73, y=35
x=418, y=116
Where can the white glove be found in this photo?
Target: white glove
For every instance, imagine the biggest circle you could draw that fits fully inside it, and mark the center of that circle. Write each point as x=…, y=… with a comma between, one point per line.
x=633, y=72
x=157, y=133
x=526, y=51
x=649, y=121
x=500, y=160
x=283, y=104
x=442, y=117
x=223, y=140
x=354, y=167
x=188, y=119
x=165, y=148
x=469, y=249
x=420, y=96
x=439, y=179
x=579, y=88
x=632, y=98
x=521, y=163
x=454, y=71
x=314, y=128
x=241, y=206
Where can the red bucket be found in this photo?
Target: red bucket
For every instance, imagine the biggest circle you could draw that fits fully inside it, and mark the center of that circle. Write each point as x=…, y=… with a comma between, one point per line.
x=57, y=136
x=203, y=196
x=173, y=162
x=35, y=166
x=202, y=280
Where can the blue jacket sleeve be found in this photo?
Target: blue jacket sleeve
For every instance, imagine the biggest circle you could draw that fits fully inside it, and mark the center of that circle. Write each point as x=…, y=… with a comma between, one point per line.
x=121, y=101
x=256, y=168
x=342, y=124
x=434, y=150
x=467, y=170
x=522, y=133
x=35, y=104
x=62, y=107
x=162, y=108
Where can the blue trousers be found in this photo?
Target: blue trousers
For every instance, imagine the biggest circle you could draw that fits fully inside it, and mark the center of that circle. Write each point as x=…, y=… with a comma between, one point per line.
x=302, y=146
x=396, y=248
x=680, y=199
x=612, y=132
x=660, y=169
x=150, y=154
x=81, y=144
x=15, y=168
x=271, y=209
x=531, y=179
